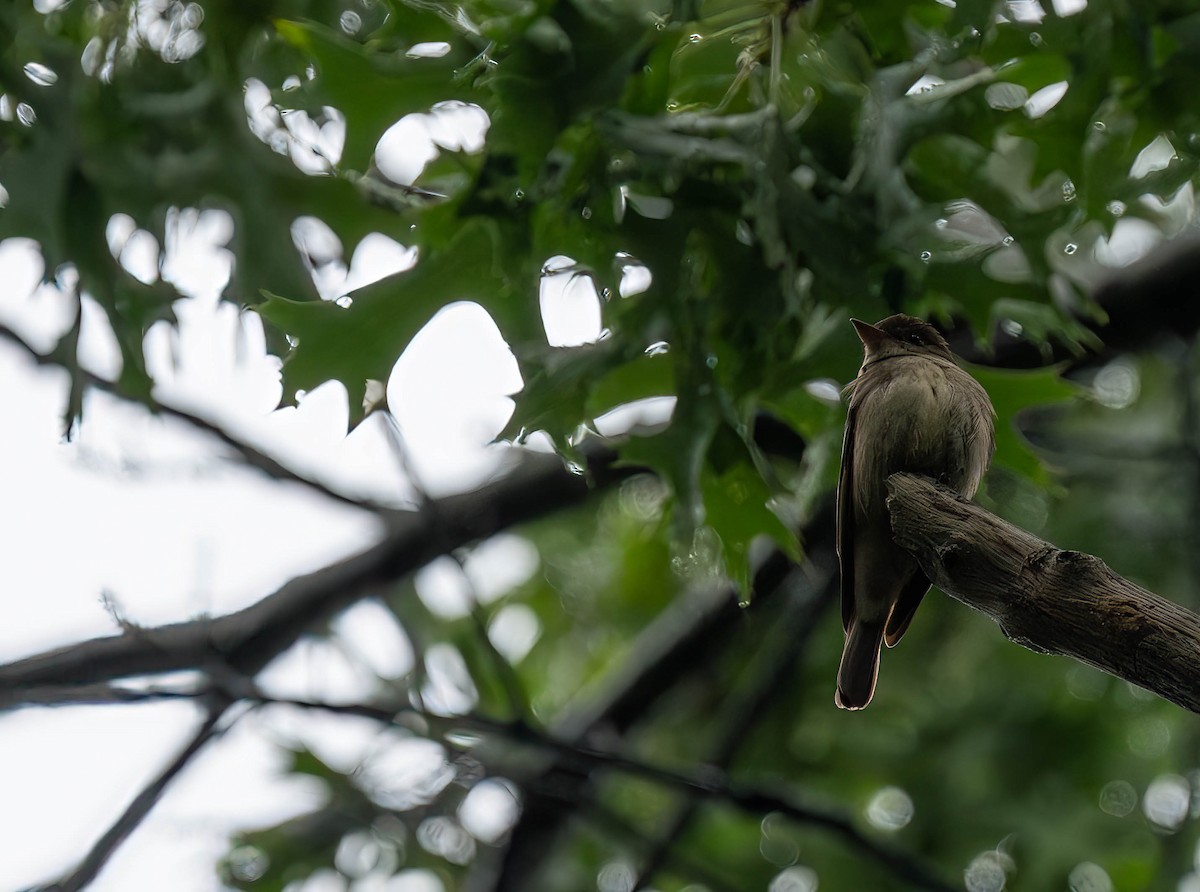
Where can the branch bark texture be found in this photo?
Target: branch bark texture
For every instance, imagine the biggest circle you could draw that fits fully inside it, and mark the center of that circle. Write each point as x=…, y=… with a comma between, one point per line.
x=1046, y=599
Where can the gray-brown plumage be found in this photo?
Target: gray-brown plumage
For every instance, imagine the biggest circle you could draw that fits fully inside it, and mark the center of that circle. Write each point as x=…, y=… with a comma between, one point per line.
x=911, y=409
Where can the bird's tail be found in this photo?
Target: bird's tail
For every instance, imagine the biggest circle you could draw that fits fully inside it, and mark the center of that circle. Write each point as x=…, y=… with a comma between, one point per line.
x=860, y=665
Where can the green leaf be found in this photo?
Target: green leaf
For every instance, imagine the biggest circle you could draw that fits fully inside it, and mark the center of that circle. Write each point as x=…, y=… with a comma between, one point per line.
x=558, y=383
x=643, y=377
x=373, y=90
x=1013, y=392
x=352, y=344
x=736, y=507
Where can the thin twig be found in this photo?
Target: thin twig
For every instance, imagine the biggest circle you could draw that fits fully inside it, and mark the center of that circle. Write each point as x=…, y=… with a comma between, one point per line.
x=615, y=824
x=248, y=639
x=743, y=707
x=707, y=784
x=250, y=454
x=514, y=691
x=132, y=817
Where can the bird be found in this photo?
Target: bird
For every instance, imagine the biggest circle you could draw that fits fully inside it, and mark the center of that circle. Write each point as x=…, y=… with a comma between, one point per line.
x=912, y=408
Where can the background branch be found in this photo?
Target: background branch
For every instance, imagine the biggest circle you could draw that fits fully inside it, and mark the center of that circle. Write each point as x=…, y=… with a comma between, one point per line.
x=249, y=454
x=140, y=807
x=245, y=641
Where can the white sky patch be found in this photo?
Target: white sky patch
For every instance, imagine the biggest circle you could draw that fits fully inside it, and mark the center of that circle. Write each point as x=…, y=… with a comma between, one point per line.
x=490, y=810
x=314, y=144
x=635, y=277
x=99, y=352
x=569, y=303
x=72, y=772
x=341, y=741
x=370, y=632
x=450, y=393
x=924, y=84
x=492, y=569
x=43, y=315
x=416, y=139
x=514, y=630
x=140, y=255
x=500, y=564
x=1028, y=12
x=458, y=126
x=640, y=415
x=320, y=670
x=444, y=589
x=1176, y=214
x=404, y=149
x=448, y=688
x=377, y=256
x=193, y=233
x=429, y=50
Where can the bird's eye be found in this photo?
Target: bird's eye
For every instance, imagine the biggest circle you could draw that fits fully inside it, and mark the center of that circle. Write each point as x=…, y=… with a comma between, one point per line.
x=916, y=338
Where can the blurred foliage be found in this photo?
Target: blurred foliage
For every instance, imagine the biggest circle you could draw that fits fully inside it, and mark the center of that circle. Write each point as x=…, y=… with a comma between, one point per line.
x=776, y=167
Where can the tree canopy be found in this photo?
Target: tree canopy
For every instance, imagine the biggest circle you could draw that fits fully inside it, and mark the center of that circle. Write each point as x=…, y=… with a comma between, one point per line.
x=720, y=186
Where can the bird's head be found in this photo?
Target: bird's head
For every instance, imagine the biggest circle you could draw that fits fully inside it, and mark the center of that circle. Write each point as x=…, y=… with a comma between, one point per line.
x=899, y=335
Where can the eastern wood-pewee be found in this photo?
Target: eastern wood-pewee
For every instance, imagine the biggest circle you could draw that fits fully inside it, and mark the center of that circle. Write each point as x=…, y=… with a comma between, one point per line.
x=911, y=409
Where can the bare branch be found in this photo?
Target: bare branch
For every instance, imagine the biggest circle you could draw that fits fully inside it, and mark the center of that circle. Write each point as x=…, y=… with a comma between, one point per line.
x=1048, y=600
x=707, y=783
x=250, y=454
x=783, y=647
x=245, y=641
x=106, y=846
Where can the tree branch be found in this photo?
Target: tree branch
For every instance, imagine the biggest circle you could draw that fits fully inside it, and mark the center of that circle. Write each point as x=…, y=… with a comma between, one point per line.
x=1045, y=599
x=782, y=648
x=706, y=783
x=107, y=845
x=1140, y=303
x=250, y=454
x=688, y=633
x=245, y=641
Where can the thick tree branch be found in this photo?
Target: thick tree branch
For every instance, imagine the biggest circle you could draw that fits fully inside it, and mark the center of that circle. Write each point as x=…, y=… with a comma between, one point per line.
x=245, y=641
x=1046, y=599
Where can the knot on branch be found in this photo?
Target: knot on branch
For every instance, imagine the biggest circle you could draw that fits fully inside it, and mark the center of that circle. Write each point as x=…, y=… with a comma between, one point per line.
x=1039, y=560
x=953, y=552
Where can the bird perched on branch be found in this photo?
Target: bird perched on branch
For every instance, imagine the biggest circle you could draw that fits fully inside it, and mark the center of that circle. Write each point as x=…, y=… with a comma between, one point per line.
x=911, y=409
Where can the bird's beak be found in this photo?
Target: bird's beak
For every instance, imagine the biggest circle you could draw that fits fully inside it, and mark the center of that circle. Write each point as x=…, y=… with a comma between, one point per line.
x=871, y=336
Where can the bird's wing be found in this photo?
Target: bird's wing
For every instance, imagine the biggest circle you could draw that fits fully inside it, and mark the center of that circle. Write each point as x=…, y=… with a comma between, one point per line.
x=845, y=517
x=906, y=606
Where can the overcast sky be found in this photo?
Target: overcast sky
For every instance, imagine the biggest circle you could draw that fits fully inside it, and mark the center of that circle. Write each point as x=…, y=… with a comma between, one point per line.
x=143, y=520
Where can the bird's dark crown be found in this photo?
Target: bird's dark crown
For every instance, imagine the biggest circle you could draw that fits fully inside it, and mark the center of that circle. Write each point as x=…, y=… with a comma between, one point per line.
x=914, y=332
